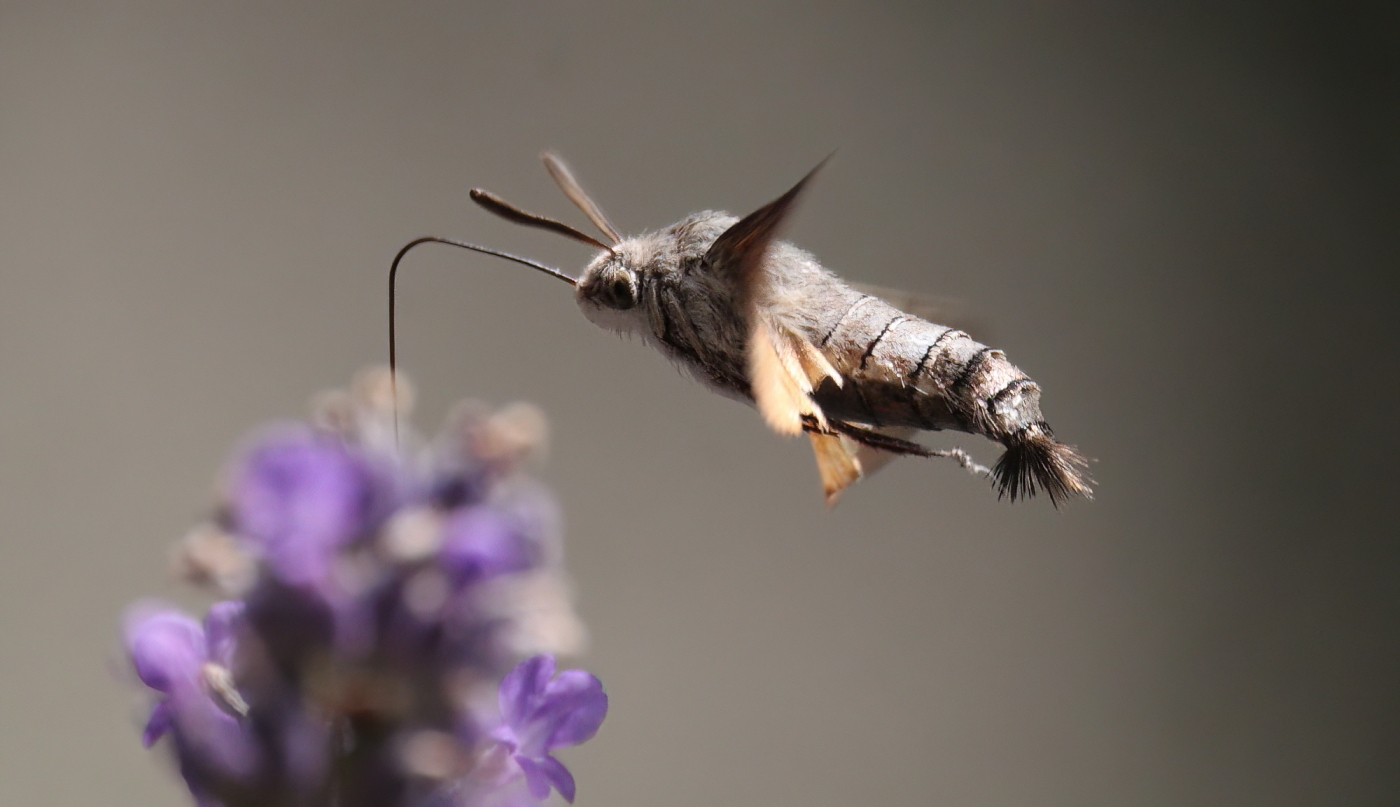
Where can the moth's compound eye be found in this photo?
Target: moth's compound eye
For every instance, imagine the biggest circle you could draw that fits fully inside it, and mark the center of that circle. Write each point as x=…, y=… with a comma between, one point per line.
x=619, y=294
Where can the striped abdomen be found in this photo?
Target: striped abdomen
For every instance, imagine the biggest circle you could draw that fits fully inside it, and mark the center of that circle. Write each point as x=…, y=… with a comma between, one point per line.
x=902, y=371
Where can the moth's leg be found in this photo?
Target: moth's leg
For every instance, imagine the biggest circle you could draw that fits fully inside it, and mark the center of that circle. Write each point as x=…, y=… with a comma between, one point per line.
x=873, y=459
x=964, y=459
x=898, y=445
x=875, y=439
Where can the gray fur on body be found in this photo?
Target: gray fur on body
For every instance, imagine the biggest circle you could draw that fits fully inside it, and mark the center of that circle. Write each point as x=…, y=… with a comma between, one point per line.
x=898, y=370
x=761, y=321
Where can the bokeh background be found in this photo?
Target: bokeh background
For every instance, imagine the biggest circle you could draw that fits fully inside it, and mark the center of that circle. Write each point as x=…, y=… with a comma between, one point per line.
x=1180, y=218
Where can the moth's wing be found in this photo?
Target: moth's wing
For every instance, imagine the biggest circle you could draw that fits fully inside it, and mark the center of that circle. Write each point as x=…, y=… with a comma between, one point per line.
x=947, y=311
x=841, y=461
x=838, y=463
x=783, y=370
x=739, y=251
x=783, y=367
x=779, y=390
x=780, y=364
x=775, y=364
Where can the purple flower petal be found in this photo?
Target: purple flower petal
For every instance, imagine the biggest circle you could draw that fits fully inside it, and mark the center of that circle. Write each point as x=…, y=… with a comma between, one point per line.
x=208, y=738
x=577, y=699
x=522, y=688
x=167, y=647
x=535, y=777
x=301, y=495
x=158, y=724
x=220, y=625
x=482, y=542
x=559, y=776
x=543, y=714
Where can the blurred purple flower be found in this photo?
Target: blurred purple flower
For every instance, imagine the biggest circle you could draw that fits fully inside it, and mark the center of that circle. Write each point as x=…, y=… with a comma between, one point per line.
x=541, y=712
x=188, y=664
x=377, y=591
x=481, y=542
x=301, y=495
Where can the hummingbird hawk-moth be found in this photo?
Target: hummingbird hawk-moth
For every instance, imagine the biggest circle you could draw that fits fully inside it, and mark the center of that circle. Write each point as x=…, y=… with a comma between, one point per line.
x=759, y=320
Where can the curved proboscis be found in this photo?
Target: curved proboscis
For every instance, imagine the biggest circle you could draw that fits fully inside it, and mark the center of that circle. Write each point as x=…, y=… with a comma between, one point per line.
x=393, y=275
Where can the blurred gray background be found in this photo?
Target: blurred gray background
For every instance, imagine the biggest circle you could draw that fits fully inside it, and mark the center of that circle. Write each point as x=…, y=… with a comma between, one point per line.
x=1180, y=219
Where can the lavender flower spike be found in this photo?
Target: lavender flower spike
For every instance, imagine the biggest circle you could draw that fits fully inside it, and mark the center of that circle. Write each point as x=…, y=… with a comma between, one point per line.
x=541, y=713
x=382, y=587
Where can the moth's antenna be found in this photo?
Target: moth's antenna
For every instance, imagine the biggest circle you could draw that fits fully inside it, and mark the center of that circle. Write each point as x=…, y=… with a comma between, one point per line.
x=510, y=212
x=393, y=274
x=564, y=178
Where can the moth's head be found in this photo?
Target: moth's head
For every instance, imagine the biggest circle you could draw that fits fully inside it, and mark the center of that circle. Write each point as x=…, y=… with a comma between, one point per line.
x=612, y=289
x=608, y=282
x=609, y=290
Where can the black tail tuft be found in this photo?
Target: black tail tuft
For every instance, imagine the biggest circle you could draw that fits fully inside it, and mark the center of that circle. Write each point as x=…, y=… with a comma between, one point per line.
x=1035, y=461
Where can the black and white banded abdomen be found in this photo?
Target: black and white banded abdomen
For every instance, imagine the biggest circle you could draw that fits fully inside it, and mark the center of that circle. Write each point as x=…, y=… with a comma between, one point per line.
x=900, y=371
